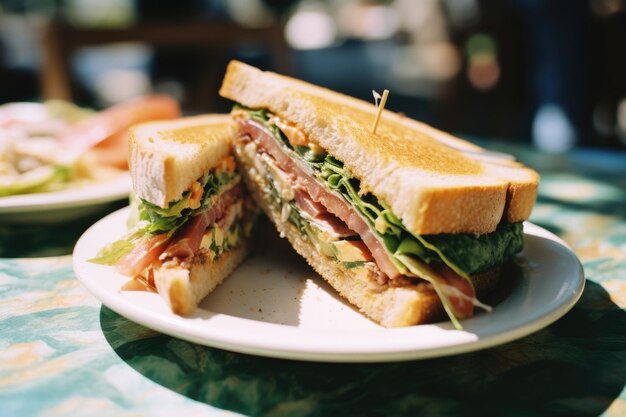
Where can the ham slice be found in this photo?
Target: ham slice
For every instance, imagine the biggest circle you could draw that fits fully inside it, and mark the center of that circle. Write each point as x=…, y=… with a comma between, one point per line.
x=459, y=290
x=334, y=224
x=306, y=204
x=318, y=212
x=133, y=263
x=187, y=241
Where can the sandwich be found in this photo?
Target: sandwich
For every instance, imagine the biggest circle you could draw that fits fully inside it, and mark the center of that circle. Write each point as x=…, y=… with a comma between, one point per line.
x=191, y=216
x=407, y=223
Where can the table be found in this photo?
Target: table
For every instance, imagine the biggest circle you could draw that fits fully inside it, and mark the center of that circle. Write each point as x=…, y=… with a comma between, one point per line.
x=63, y=353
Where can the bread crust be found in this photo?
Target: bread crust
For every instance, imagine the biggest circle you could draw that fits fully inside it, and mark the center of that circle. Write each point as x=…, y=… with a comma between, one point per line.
x=423, y=174
x=183, y=286
x=167, y=157
x=388, y=306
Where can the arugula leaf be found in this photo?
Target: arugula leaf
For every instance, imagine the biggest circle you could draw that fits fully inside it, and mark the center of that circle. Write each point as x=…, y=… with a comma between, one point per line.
x=308, y=155
x=260, y=114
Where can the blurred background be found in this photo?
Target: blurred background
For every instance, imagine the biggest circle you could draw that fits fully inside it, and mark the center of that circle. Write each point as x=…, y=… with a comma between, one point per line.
x=547, y=72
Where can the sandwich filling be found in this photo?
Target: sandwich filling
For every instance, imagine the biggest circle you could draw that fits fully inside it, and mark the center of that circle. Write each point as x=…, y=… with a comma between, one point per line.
x=209, y=219
x=315, y=192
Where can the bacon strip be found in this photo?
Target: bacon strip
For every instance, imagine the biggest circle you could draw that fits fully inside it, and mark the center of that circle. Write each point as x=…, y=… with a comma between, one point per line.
x=333, y=203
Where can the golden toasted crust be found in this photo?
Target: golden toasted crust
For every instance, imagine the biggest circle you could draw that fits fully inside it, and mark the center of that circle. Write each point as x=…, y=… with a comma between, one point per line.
x=167, y=157
x=396, y=142
x=184, y=286
x=389, y=306
x=434, y=182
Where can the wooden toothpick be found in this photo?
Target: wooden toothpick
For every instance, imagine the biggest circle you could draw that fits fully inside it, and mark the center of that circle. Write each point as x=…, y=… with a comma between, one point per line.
x=381, y=107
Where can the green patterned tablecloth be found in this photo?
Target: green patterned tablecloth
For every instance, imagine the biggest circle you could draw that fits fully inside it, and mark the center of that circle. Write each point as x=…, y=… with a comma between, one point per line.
x=63, y=354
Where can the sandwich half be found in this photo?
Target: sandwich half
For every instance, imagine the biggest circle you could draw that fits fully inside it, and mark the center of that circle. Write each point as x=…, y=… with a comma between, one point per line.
x=191, y=215
x=407, y=223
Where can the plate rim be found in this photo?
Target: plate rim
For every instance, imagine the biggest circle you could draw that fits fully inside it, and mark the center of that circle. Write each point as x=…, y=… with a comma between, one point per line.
x=98, y=192
x=185, y=327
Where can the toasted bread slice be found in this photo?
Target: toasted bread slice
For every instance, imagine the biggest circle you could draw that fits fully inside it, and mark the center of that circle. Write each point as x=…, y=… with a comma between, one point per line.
x=167, y=157
x=434, y=182
x=386, y=305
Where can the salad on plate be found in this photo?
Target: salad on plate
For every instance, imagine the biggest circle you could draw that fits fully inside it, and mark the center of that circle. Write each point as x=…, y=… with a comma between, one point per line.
x=56, y=145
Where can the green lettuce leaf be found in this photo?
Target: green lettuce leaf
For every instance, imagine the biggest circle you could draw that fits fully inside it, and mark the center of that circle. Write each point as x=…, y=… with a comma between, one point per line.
x=474, y=253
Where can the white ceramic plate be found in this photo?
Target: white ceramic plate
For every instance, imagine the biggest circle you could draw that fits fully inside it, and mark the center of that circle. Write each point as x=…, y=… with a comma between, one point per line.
x=65, y=204
x=275, y=305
